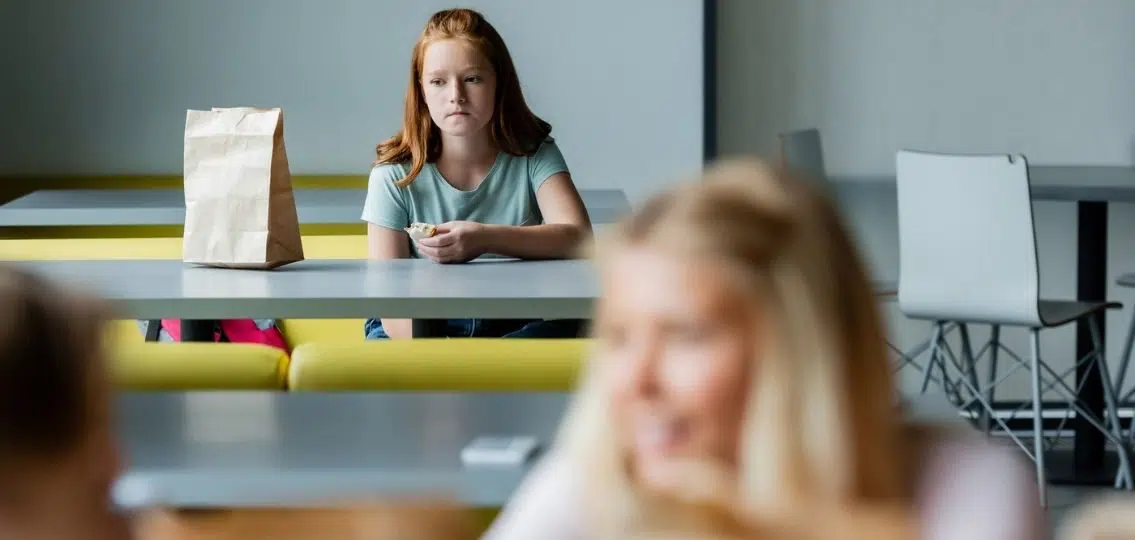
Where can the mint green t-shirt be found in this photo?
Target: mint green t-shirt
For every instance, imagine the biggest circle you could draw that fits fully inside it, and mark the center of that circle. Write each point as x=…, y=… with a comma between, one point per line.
x=507, y=195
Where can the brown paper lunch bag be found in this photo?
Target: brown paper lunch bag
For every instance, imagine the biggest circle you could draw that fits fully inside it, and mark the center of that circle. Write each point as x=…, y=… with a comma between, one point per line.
x=240, y=210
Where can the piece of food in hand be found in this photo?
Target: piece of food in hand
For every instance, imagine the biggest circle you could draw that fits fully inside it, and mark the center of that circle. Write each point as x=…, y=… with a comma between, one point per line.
x=418, y=231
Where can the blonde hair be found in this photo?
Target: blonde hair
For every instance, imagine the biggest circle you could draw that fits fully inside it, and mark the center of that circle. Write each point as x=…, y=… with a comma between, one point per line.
x=820, y=423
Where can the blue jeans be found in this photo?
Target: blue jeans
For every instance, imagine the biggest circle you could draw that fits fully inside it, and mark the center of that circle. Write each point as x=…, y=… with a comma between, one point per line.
x=503, y=328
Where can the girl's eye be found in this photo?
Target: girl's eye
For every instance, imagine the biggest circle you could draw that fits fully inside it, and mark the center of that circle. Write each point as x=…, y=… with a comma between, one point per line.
x=436, y=82
x=475, y=79
x=613, y=336
x=686, y=333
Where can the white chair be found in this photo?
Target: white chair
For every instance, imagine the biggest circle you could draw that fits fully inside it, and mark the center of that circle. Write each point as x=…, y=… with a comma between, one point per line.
x=968, y=254
x=802, y=153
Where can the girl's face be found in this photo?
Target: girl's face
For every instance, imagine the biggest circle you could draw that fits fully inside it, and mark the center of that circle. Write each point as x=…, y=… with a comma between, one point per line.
x=459, y=87
x=676, y=341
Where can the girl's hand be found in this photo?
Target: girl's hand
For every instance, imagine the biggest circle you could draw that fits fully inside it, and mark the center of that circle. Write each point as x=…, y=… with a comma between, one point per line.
x=454, y=242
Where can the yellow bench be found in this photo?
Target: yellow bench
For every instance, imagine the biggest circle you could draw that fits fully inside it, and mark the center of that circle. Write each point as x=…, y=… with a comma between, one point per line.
x=438, y=365
x=197, y=366
x=296, y=331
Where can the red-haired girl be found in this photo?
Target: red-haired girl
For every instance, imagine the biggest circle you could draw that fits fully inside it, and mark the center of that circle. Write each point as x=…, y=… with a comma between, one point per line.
x=474, y=160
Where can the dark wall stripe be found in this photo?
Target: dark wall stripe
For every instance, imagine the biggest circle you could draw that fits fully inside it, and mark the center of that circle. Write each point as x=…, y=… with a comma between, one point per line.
x=709, y=81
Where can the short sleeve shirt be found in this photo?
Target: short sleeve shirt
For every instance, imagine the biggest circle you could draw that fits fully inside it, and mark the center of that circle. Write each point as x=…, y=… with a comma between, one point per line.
x=507, y=195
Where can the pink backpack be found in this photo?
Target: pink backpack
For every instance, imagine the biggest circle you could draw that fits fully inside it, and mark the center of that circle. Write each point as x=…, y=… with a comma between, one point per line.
x=262, y=331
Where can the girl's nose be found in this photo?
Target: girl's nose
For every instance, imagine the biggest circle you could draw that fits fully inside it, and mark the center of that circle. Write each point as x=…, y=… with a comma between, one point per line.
x=644, y=369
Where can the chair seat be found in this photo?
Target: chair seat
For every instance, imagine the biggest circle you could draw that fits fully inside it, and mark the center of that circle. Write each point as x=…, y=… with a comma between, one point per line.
x=1126, y=280
x=1060, y=312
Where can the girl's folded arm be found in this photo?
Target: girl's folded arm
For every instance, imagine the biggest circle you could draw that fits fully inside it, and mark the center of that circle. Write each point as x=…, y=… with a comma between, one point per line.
x=566, y=225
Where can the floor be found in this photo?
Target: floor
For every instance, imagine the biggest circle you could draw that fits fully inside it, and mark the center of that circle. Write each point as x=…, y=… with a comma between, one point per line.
x=1063, y=501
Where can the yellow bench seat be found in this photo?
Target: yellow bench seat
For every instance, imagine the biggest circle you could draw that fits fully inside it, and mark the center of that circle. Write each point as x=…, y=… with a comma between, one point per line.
x=438, y=365
x=197, y=366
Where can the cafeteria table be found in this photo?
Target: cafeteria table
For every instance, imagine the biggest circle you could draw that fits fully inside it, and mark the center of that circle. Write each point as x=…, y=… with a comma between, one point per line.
x=210, y=449
x=224, y=448
x=355, y=288
x=487, y=288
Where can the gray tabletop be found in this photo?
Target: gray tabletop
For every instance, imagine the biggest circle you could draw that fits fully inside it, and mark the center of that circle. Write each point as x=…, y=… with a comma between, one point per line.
x=107, y=207
x=405, y=288
x=262, y=448
x=1102, y=183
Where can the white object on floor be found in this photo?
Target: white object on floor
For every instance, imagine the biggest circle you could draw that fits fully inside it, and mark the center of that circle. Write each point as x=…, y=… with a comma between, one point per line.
x=507, y=451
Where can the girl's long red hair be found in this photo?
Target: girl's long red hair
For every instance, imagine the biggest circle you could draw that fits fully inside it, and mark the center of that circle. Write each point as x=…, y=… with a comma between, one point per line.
x=514, y=128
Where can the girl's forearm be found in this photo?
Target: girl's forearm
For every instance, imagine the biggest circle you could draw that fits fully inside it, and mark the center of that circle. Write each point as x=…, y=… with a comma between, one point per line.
x=548, y=241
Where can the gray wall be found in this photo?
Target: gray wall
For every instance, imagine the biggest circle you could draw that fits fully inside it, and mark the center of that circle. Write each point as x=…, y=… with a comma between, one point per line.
x=1050, y=78
x=103, y=86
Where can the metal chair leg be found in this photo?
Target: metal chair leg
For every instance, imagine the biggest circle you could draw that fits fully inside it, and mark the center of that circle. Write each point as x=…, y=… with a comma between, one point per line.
x=1038, y=421
x=1125, y=359
x=983, y=416
x=1110, y=402
x=932, y=357
x=994, y=348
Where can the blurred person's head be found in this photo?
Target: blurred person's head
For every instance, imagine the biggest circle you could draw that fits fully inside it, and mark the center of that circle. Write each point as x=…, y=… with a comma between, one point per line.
x=58, y=456
x=739, y=357
x=394, y=521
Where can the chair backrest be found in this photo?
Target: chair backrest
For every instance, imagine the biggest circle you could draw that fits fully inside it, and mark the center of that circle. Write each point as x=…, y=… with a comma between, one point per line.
x=802, y=152
x=966, y=238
